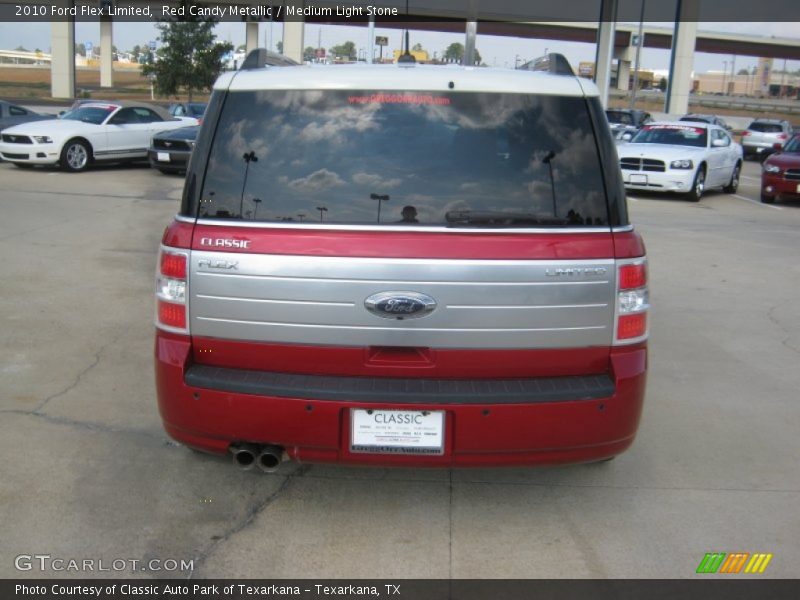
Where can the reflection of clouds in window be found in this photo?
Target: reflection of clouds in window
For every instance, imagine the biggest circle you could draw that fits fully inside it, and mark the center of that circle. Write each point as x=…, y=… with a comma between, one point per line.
x=318, y=181
x=469, y=186
x=241, y=139
x=375, y=181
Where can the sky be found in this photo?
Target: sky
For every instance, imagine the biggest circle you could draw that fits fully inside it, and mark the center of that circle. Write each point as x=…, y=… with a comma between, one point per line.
x=495, y=51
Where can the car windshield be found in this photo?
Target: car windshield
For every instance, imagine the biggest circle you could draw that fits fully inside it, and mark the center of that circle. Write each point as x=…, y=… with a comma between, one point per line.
x=679, y=135
x=90, y=114
x=196, y=109
x=766, y=127
x=405, y=158
x=793, y=145
x=616, y=116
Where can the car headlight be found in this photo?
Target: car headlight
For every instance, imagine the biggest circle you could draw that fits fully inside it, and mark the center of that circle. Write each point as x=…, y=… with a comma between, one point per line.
x=681, y=164
x=43, y=139
x=772, y=168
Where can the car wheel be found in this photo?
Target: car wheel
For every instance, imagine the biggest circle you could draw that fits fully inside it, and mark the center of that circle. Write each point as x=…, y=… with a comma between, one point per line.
x=767, y=199
x=75, y=156
x=733, y=184
x=698, y=187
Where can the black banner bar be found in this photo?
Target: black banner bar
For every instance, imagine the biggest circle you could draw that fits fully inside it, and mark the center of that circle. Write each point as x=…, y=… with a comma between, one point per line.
x=714, y=588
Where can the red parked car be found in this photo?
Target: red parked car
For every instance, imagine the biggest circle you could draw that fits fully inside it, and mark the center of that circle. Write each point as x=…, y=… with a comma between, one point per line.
x=780, y=175
x=403, y=265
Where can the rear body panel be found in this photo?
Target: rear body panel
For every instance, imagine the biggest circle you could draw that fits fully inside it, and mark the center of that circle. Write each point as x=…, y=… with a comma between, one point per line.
x=295, y=271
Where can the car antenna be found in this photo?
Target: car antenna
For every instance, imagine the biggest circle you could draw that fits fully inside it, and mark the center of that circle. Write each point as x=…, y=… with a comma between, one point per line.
x=406, y=57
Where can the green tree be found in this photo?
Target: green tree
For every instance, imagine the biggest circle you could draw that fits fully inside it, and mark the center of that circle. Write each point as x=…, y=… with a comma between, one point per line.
x=188, y=60
x=309, y=53
x=137, y=50
x=417, y=47
x=279, y=46
x=21, y=49
x=455, y=52
x=662, y=85
x=346, y=50
x=743, y=72
x=80, y=49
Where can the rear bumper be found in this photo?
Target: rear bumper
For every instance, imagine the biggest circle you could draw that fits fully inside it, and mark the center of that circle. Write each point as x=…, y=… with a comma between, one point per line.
x=476, y=433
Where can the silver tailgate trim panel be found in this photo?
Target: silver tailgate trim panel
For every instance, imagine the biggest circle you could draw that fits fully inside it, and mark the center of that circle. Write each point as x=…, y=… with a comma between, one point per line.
x=320, y=300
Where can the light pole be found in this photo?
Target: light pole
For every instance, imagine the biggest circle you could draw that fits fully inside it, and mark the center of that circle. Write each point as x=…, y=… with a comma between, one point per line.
x=321, y=210
x=248, y=157
x=381, y=198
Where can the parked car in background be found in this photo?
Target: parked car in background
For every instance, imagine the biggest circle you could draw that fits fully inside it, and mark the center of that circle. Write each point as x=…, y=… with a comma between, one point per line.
x=100, y=131
x=682, y=157
x=13, y=114
x=422, y=267
x=625, y=122
x=195, y=110
x=170, y=150
x=780, y=176
x=710, y=119
x=763, y=135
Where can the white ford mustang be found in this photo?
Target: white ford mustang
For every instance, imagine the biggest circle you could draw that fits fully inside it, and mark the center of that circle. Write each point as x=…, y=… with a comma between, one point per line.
x=98, y=131
x=688, y=158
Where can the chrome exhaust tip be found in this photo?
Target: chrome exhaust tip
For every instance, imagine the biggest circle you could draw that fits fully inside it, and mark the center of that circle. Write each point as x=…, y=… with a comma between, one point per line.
x=244, y=455
x=270, y=458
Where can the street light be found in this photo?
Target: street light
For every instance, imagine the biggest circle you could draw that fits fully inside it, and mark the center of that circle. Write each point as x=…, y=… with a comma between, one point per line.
x=321, y=210
x=381, y=198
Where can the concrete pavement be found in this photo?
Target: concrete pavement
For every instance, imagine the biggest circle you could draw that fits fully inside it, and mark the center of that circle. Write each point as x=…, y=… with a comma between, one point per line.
x=89, y=472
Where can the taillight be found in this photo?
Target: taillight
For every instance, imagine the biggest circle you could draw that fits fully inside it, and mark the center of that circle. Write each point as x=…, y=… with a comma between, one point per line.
x=782, y=136
x=632, y=302
x=171, y=291
x=745, y=133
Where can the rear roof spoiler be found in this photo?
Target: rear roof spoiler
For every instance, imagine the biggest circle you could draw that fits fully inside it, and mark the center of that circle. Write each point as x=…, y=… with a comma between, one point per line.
x=553, y=63
x=261, y=57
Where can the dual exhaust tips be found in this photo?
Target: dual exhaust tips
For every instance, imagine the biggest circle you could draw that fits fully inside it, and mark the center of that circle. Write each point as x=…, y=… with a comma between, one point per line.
x=246, y=456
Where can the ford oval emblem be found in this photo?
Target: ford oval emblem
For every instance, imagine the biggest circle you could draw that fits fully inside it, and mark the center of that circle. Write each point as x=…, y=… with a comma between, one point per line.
x=400, y=305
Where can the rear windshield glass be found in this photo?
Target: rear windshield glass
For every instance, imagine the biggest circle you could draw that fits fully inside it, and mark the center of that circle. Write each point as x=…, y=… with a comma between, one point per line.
x=405, y=158
x=680, y=135
x=766, y=127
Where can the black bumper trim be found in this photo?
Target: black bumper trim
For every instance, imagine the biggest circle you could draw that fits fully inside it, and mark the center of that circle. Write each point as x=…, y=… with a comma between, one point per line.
x=411, y=391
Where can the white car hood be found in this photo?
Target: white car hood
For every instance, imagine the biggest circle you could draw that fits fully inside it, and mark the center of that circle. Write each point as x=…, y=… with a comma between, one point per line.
x=49, y=127
x=663, y=152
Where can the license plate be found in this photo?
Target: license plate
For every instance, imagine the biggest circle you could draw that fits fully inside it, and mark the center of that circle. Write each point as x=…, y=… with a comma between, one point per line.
x=397, y=431
x=638, y=179
x=163, y=156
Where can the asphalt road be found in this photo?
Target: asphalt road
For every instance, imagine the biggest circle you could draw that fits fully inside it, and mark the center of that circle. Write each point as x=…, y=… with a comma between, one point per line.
x=89, y=473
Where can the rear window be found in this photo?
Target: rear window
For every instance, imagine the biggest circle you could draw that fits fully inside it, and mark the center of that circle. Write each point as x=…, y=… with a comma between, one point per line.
x=615, y=116
x=766, y=127
x=404, y=158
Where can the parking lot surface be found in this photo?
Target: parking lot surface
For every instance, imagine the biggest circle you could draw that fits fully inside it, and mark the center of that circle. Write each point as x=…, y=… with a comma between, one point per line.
x=90, y=474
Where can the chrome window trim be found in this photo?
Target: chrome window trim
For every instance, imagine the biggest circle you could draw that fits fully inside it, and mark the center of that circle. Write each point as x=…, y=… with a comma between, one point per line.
x=396, y=228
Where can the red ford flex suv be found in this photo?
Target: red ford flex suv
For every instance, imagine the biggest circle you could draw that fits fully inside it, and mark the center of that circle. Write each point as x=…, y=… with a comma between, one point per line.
x=403, y=265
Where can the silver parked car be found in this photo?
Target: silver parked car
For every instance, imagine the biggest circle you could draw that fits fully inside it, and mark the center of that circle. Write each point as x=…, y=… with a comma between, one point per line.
x=762, y=136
